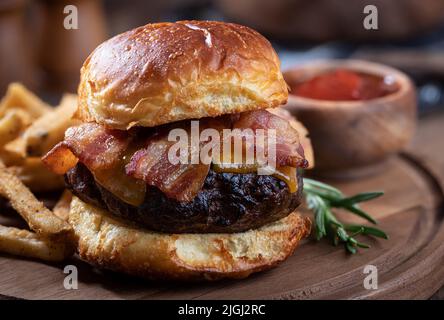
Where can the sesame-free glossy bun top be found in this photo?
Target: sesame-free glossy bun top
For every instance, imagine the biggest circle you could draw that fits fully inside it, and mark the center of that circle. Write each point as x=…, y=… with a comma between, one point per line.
x=166, y=72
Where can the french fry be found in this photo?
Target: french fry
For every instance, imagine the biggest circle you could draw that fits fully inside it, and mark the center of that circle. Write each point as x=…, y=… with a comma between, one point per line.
x=28, y=125
x=36, y=176
x=28, y=244
x=49, y=129
x=39, y=218
x=11, y=158
x=17, y=96
x=16, y=148
x=10, y=126
x=26, y=118
x=62, y=207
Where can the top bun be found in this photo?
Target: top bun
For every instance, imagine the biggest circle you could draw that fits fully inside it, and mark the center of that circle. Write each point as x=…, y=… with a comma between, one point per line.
x=166, y=72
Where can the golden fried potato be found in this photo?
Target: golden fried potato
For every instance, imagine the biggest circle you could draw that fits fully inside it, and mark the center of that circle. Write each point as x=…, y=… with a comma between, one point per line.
x=39, y=218
x=10, y=126
x=49, y=129
x=18, y=97
x=10, y=158
x=26, y=122
x=63, y=206
x=36, y=176
x=29, y=244
x=16, y=148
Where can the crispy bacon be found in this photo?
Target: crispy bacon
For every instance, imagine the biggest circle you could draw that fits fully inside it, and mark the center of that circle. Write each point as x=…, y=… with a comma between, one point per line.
x=96, y=146
x=60, y=159
x=104, y=150
x=289, y=151
x=93, y=145
x=178, y=181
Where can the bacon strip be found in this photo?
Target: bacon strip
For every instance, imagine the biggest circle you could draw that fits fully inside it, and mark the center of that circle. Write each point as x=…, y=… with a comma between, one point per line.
x=95, y=146
x=289, y=151
x=60, y=159
x=178, y=181
x=103, y=150
x=91, y=144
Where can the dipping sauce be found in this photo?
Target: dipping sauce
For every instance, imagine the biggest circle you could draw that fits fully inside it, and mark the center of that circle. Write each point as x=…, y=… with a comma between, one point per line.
x=345, y=85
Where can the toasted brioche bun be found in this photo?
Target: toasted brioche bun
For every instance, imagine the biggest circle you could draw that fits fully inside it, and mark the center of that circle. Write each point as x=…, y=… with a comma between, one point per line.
x=110, y=243
x=166, y=72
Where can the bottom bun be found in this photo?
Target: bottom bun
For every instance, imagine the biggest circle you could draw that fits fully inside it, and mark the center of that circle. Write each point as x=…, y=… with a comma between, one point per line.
x=109, y=243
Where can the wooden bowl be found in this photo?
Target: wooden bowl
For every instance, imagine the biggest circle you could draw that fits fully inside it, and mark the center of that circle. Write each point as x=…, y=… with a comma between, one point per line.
x=353, y=138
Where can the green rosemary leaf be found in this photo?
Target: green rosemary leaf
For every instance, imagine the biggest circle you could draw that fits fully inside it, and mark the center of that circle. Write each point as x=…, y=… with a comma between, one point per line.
x=322, y=186
x=367, y=231
x=361, y=197
x=342, y=234
x=359, y=212
x=320, y=221
x=316, y=204
x=350, y=248
x=322, y=198
x=335, y=241
x=362, y=245
x=356, y=232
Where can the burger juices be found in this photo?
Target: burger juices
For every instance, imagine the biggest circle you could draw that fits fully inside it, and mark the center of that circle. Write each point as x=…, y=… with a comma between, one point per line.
x=137, y=211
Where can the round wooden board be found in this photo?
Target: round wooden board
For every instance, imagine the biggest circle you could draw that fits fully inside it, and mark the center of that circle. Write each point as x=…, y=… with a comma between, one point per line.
x=409, y=264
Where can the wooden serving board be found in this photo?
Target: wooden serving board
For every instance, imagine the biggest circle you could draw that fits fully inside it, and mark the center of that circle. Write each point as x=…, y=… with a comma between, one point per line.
x=410, y=264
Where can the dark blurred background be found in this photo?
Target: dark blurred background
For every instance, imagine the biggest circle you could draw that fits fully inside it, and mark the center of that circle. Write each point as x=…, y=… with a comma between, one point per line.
x=37, y=50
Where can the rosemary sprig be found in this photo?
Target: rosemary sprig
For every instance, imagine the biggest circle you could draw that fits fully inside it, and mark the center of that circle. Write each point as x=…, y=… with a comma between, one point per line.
x=322, y=198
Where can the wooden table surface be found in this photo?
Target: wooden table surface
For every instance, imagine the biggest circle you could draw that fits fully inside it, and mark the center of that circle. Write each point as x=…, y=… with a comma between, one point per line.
x=411, y=261
x=429, y=143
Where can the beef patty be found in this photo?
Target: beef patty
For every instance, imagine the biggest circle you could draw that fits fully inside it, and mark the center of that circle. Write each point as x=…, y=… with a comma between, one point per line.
x=228, y=202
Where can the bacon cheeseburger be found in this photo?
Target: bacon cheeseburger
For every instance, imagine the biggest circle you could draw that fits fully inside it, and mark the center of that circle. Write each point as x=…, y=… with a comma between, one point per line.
x=170, y=91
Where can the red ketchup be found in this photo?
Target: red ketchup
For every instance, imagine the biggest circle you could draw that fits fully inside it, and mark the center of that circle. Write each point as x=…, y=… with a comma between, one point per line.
x=345, y=85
